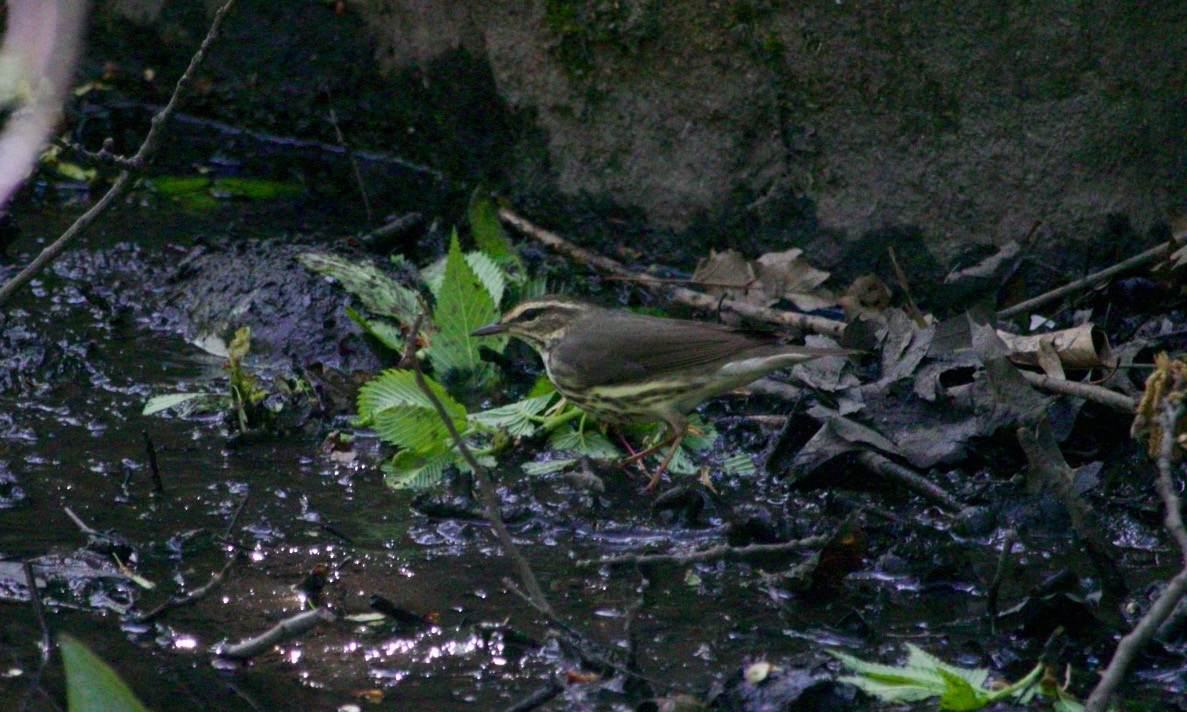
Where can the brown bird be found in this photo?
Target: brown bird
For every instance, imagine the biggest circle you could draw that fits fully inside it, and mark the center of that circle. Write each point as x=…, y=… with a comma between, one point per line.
x=622, y=367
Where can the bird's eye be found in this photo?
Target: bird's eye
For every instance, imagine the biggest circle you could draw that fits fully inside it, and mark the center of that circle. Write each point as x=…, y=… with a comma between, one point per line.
x=531, y=313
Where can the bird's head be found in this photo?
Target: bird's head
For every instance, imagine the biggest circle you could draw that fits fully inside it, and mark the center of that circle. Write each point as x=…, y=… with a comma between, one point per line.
x=537, y=321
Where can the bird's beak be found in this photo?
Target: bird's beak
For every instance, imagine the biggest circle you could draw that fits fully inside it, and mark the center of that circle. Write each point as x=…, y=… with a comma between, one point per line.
x=491, y=328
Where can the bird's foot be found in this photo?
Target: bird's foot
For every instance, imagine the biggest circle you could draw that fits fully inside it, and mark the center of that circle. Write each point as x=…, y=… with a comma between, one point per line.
x=663, y=466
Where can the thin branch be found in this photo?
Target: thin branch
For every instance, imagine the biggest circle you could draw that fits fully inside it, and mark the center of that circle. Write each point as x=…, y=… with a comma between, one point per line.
x=999, y=575
x=909, y=479
x=105, y=156
x=354, y=164
x=486, y=487
x=1167, y=601
x=722, y=552
x=1087, y=391
x=539, y=698
x=1149, y=256
x=683, y=295
x=1049, y=471
x=192, y=597
x=126, y=180
x=47, y=638
x=286, y=629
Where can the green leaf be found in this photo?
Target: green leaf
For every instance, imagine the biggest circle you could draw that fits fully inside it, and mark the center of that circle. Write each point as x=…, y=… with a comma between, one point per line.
x=379, y=293
x=91, y=684
x=919, y=658
x=739, y=464
x=583, y=441
x=889, y=691
x=489, y=236
x=542, y=386
x=463, y=305
x=384, y=332
x=959, y=694
x=516, y=418
x=547, y=467
x=403, y=415
x=411, y=470
x=533, y=288
x=491, y=275
x=158, y=403
x=493, y=278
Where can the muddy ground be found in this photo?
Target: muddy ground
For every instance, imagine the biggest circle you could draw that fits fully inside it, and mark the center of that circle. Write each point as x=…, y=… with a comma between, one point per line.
x=116, y=322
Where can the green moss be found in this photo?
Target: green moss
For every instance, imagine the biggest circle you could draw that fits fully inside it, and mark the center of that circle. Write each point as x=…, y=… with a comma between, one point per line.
x=592, y=32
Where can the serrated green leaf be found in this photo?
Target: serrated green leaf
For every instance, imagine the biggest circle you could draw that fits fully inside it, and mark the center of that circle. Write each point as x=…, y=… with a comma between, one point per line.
x=380, y=294
x=889, y=692
x=400, y=412
x=516, y=418
x=959, y=695
x=533, y=288
x=385, y=333
x=411, y=470
x=463, y=305
x=490, y=274
x=547, y=467
x=488, y=232
x=587, y=441
x=921, y=659
x=493, y=278
x=891, y=674
x=434, y=275
x=91, y=684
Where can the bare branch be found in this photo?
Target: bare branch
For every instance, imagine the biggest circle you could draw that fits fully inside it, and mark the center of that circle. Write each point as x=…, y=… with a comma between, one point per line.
x=1149, y=256
x=486, y=487
x=1132, y=644
x=684, y=295
x=287, y=629
x=125, y=181
x=721, y=552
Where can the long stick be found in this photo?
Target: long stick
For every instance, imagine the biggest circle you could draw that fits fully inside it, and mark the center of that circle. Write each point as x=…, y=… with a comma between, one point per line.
x=486, y=487
x=125, y=181
x=1151, y=255
x=1087, y=391
x=1168, y=600
x=684, y=295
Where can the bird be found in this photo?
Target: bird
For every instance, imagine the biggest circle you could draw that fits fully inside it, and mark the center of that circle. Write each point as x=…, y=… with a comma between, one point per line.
x=621, y=367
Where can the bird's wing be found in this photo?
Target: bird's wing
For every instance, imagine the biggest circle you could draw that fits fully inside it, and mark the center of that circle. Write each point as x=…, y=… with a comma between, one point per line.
x=610, y=348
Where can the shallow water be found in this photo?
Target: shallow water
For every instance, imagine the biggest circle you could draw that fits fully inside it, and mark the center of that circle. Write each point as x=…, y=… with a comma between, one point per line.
x=72, y=435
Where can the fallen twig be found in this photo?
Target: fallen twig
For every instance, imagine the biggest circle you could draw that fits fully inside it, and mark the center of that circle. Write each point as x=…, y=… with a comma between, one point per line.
x=539, y=698
x=354, y=164
x=47, y=638
x=1049, y=471
x=486, y=487
x=125, y=181
x=676, y=293
x=722, y=552
x=287, y=629
x=1087, y=391
x=1132, y=644
x=999, y=576
x=1149, y=256
x=192, y=597
x=911, y=480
